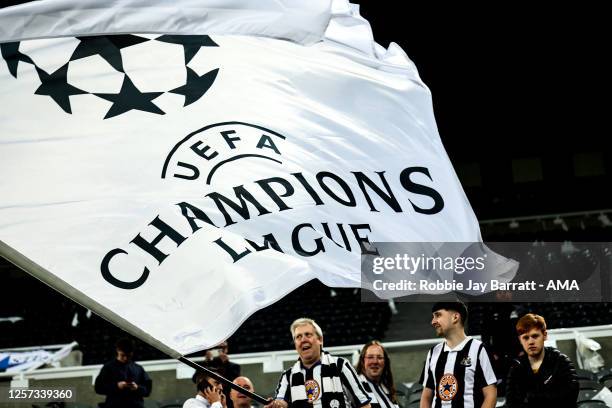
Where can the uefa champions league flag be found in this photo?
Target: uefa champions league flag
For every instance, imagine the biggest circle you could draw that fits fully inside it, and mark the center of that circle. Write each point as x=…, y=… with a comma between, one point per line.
x=176, y=166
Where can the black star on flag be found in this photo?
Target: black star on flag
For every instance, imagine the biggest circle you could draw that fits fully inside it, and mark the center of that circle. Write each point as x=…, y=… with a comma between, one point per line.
x=130, y=98
x=12, y=56
x=107, y=46
x=191, y=43
x=57, y=87
x=196, y=86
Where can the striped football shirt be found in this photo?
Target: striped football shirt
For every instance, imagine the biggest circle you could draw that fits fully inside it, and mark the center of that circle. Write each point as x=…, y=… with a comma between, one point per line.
x=378, y=393
x=458, y=375
x=354, y=393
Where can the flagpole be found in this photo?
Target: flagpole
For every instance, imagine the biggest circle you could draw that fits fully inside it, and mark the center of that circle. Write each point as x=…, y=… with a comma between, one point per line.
x=46, y=277
x=79, y=297
x=224, y=380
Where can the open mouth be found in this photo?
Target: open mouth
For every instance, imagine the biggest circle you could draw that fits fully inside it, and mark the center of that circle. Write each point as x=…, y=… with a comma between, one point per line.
x=306, y=347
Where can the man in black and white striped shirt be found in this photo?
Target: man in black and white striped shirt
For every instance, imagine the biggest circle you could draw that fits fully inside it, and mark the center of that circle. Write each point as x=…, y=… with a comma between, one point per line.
x=317, y=379
x=457, y=372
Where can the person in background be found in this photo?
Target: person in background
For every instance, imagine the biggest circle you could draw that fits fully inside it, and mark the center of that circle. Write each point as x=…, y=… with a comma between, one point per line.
x=543, y=376
x=209, y=393
x=458, y=371
x=218, y=359
x=374, y=369
x=124, y=382
x=240, y=400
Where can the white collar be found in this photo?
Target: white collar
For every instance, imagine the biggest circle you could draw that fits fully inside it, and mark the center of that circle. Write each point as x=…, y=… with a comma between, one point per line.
x=458, y=347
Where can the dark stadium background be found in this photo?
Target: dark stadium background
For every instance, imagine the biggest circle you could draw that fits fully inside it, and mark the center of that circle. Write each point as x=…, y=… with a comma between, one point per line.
x=519, y=101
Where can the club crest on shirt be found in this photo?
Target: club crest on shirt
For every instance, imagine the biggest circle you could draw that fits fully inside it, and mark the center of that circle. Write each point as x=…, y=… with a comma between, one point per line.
x=312, y=390
x=466, y=362
x=448, y=387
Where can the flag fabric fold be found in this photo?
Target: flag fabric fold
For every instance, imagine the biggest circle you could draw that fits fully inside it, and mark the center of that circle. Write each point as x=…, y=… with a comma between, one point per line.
x=177, y=167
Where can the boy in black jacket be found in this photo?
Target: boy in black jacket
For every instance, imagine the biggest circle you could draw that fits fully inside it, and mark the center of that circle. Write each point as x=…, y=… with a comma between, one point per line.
x=543, y=376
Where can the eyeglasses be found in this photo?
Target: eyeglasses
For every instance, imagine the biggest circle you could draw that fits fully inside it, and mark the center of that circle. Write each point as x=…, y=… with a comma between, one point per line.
x=380, y=358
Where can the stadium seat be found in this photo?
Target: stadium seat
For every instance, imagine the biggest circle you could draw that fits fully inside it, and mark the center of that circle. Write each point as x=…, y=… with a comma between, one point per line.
x=415, y=396
x=416, y=387
x=592, y=404
x=589, y=384
x=586, y=394
x=586, y=375
x=173, y=402
x=151, y=403
x=604, y=374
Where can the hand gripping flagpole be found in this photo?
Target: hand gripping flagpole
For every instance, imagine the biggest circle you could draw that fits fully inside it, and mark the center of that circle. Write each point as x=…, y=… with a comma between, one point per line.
x=224, y=380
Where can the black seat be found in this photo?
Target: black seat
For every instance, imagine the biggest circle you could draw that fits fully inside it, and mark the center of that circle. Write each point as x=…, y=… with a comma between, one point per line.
x=586, y=394
x=589, y=384
x=586, y=375
x=414, y=397
x=172, y=402
x=604, y=374
x=151, y=403
x=592, y=404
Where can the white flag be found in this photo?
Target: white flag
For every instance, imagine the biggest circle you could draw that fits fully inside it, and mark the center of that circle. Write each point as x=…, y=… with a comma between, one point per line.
x=14, y=361
x=180, y=177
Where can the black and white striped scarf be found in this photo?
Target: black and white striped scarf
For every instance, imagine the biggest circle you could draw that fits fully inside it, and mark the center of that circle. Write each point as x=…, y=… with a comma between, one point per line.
x=331, y=392
x=377, y=393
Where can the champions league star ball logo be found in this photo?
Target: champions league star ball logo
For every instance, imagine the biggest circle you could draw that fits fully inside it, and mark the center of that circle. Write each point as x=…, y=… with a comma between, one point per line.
x=447, y=390
x=110, y=67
